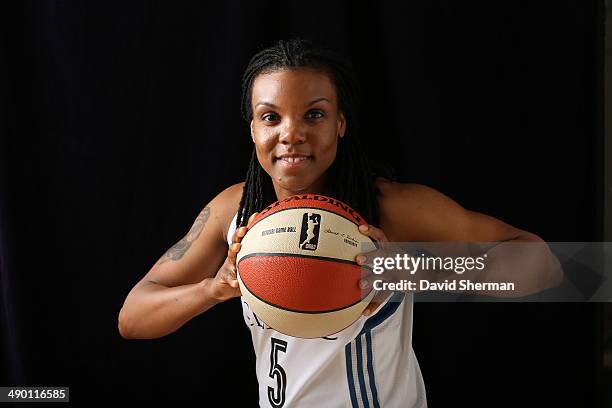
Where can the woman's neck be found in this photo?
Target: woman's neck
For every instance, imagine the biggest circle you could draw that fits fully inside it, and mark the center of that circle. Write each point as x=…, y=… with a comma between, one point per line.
x=318, y=187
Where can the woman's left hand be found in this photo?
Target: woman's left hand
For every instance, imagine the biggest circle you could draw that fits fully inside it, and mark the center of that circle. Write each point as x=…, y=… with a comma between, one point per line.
x=365, y=259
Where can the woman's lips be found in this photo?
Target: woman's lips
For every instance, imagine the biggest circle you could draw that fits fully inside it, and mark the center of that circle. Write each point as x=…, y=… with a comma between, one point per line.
x=293, y=162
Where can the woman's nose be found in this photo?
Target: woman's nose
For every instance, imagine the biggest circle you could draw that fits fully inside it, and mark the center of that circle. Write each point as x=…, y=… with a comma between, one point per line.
x=292, y=133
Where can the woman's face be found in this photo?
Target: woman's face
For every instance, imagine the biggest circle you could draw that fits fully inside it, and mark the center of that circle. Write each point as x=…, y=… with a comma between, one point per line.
x=295, y=128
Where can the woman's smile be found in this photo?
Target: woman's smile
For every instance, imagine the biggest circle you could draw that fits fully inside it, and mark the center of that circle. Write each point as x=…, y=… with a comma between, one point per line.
x=293, y=161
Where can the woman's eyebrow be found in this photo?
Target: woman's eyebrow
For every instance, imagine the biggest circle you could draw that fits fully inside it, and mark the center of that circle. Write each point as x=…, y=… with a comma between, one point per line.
x=271, y=105
x=317, y=100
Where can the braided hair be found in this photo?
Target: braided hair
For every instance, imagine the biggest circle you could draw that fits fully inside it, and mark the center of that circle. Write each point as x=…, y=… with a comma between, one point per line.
x=350, y=178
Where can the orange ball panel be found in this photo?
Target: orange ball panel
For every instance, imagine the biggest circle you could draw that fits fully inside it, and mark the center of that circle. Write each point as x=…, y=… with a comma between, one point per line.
x=309, y=285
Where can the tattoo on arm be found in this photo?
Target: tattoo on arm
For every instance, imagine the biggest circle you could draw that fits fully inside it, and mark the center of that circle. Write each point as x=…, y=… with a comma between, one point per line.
x=180, y=248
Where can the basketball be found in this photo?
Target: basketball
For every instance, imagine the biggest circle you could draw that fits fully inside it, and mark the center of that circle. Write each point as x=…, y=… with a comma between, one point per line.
x=296, y=266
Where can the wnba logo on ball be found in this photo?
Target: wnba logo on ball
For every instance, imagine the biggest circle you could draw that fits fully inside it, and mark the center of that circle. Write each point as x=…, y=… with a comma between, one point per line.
x=309, y=235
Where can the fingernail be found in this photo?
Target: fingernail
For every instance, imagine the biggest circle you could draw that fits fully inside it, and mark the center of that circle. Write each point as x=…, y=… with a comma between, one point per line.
x=363, y=227
x=361, y=259
x=363, y=284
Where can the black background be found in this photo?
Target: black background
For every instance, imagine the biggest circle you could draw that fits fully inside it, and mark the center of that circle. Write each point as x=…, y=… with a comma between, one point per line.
x=121, y=120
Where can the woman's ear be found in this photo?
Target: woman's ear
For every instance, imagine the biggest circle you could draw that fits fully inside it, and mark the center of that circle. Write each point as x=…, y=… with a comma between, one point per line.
x=341, y=125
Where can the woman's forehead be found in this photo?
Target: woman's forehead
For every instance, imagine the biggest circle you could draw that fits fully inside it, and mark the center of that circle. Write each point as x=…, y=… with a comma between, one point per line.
x=292, y=85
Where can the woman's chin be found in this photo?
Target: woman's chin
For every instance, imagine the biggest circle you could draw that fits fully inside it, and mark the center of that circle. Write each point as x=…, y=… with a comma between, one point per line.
x=294, y=186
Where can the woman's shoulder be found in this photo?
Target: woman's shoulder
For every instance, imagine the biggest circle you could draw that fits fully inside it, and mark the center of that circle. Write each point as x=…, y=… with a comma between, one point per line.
x=392, y=191
x=405, y=204
x=227, y=205
x=394, y=197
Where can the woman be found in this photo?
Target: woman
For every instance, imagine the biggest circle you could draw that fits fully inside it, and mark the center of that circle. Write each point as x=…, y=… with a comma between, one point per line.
x=300, y=102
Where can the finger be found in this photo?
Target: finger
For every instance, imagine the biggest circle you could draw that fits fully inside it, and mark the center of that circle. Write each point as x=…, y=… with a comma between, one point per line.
x=366, y=283
x=370, y=308
x=236, y=291
x=376, y=301
x=233, y=286
x=239, y=234
x=232, y=252
x=373, y=232
x=228, y=275
x=251, y=219
x=361, y=258
x=235, y=248
x=366, y=259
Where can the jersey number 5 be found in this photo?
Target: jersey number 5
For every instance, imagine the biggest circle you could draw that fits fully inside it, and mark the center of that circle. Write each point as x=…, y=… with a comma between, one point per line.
x=277, y=396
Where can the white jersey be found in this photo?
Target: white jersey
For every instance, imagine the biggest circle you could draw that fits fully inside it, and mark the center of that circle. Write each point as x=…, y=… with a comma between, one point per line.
x=369, y=364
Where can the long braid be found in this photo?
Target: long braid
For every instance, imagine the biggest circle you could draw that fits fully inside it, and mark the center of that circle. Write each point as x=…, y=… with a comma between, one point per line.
x=350, y=178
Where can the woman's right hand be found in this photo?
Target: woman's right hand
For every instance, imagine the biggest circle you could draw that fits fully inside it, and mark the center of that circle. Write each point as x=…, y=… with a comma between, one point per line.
x=224, y=285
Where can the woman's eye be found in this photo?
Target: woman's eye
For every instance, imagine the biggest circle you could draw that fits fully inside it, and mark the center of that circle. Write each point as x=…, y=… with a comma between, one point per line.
x=315, y=114
x=269, y=117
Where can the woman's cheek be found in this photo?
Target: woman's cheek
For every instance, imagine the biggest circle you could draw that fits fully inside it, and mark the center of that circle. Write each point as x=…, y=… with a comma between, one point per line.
x=329, y=149
x=264, y=144
x=263, y=155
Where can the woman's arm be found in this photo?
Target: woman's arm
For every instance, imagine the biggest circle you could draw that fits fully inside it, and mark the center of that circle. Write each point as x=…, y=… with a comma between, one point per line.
x=417, y=213
x=152, y=310
x=188, y=279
